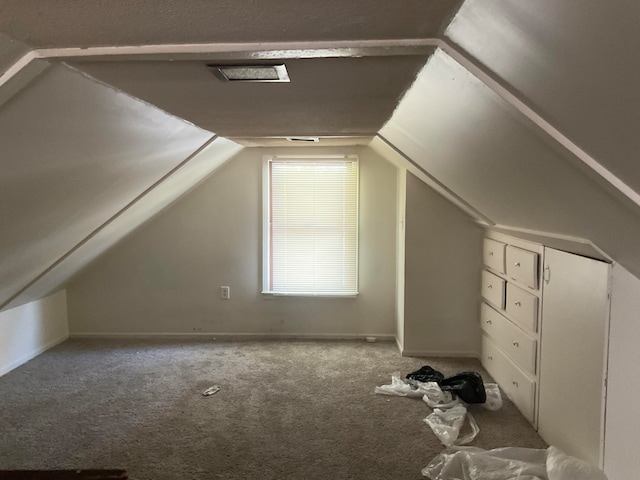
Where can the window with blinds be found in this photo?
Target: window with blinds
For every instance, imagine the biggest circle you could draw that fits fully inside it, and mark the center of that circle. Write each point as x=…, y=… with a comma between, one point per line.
x=311, y=226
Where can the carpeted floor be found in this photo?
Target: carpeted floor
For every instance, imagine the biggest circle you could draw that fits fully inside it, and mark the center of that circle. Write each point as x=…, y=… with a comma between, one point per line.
x=286, y=410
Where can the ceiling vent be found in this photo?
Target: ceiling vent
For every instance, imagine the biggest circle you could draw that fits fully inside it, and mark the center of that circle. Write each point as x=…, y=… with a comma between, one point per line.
x=303, y=139
x=250, y=73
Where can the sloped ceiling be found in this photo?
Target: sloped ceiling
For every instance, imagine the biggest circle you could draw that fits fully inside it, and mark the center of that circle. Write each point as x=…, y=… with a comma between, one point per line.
x=78, y=156
x=575, y=63
x=493, y=157
x=74, y=154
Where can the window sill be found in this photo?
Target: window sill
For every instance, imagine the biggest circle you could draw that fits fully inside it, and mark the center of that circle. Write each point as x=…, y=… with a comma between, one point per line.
x=310, y=295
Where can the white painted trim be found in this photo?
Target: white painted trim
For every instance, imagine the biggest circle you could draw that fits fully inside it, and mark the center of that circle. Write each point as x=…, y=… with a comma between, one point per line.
x=437, y=353
x=472, y=67
x=398, y=345
x=14, y=69
x=380, y=337
x=557, y=236
x=31, y=355
x=314, y=49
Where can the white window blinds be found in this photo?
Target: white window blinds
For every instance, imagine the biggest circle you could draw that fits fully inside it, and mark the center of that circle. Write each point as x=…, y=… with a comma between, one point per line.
x=311, y=236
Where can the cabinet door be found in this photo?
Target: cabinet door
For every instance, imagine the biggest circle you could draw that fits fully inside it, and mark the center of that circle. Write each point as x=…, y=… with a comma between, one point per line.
x=574, y=336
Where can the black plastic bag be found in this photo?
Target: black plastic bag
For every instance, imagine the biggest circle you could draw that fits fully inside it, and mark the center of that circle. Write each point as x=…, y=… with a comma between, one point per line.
x=466, y=385
x=426, y=374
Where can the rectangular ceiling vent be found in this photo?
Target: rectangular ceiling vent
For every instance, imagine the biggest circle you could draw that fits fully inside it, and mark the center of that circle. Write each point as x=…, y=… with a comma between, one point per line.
x=303, y=139
x=250, y=73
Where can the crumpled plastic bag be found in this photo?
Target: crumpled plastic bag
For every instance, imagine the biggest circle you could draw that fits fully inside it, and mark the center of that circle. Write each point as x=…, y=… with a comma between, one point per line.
x=399, y=388
x=436, y=398
x=447, y=423
x=494, y=398
x=449, y=412
x=509, y=463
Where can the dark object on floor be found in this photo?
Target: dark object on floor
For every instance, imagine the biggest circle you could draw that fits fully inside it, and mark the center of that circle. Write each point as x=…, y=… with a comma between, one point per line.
x=426, y=374
x=63, y=475
x=466, y=385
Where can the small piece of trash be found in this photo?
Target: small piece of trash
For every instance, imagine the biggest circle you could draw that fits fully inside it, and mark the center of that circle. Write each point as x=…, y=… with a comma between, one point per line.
x=211, y=390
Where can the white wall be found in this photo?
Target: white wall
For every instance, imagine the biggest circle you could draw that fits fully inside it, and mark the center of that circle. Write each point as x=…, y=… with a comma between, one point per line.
x=621, y=460
x=165, y=277
x=30, y=329
x=442, y=275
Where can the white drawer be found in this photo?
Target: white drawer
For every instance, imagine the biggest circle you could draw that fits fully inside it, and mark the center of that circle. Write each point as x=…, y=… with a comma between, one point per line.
x=519, y=346
x=493, y=254
x=522, y=266
x=493, y=288
x=522, y=308
x=516, y=384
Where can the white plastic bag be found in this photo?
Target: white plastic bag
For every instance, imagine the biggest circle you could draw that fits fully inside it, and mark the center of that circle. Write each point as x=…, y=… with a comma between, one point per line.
x=447, y=423
x=510, y=463
x=399, y=388
x=494, y=399
x=436, y=398
x=561, y=466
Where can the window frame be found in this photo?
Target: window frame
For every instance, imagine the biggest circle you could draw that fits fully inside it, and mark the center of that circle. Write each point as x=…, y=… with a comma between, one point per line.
x=266, y=237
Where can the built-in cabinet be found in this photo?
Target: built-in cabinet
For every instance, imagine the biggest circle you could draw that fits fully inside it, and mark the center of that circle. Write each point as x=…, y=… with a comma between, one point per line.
x=544, y=318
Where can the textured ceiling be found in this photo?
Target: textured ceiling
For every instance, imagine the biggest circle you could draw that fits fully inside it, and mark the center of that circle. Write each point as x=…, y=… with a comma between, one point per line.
x=326, y=96
x=67, y=23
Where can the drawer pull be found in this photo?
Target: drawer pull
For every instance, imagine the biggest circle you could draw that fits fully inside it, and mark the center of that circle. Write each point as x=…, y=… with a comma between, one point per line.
x=489, y=286
x=517, y=304
x=489, y=357
x=515, y=384
x=516, y=344
x=488, y=321
x=517, y=264
x=491, y=254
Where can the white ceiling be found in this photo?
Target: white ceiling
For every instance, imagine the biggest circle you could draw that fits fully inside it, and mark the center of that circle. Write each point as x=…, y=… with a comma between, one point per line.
x=326, y=96
x=575, y=63
x=78, y=23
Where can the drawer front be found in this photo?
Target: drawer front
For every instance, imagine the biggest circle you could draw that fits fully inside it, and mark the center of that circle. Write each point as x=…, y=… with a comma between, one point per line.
x=519, y=346
x=493, y=254
x=517, y=386
x=522, y=266
x=522, y=308
x=493, y=288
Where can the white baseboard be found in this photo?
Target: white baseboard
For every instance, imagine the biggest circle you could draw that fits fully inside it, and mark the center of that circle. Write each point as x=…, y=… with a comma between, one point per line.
x=237, y=336
x=435, y=353
x=31, y=355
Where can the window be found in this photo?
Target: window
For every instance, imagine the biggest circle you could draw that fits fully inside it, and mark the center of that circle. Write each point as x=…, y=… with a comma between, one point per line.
x=310, y=225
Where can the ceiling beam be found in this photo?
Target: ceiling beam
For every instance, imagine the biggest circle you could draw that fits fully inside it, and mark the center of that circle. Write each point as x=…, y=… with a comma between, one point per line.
x=245, y=51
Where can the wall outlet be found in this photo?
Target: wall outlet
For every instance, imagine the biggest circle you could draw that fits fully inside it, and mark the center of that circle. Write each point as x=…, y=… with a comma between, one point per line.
x=225, y=293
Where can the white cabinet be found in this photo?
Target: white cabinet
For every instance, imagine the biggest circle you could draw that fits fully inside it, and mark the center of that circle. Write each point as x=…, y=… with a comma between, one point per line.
x=510, y=322
x=546, y=344
x=574, y=336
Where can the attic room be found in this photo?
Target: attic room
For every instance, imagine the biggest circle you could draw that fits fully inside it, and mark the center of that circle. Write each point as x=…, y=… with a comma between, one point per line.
x=495, y=217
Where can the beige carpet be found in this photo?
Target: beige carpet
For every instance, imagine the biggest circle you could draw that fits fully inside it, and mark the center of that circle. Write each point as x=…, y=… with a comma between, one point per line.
x=285, y=410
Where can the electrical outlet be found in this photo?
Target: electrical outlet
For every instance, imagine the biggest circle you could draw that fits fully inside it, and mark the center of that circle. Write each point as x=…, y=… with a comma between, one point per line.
x=225, y=293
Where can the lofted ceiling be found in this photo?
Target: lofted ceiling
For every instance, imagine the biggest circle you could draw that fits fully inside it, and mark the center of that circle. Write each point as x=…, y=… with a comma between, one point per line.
x=351, y=95
x=521, y=117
